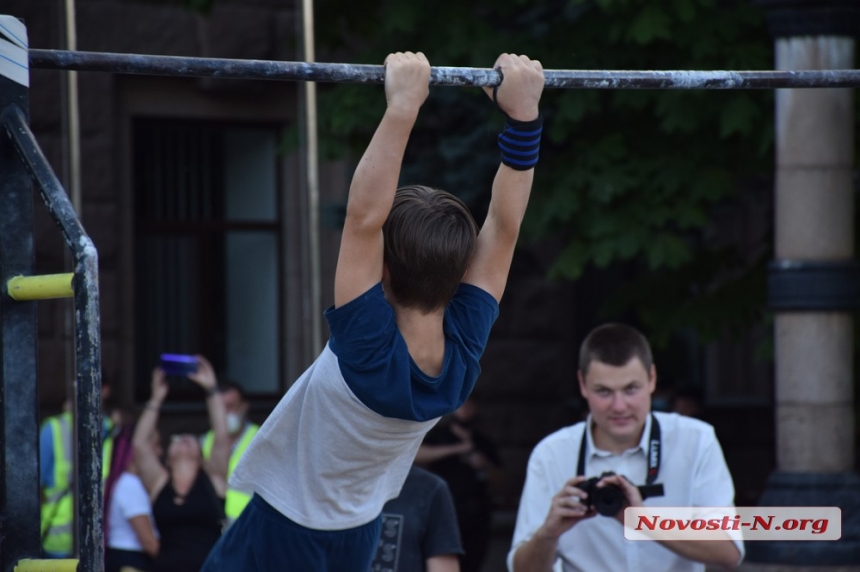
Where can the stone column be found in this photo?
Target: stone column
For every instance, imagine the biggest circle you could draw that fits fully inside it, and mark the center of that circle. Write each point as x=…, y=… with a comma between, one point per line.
x=814, y=267
x=814, y=223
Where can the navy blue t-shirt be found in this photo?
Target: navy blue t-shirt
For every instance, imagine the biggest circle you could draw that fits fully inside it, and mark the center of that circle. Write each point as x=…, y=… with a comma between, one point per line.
x=375, y=363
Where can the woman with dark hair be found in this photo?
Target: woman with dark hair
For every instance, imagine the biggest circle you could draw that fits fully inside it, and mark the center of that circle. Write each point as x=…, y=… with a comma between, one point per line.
x=187, y=492
x=130, y=536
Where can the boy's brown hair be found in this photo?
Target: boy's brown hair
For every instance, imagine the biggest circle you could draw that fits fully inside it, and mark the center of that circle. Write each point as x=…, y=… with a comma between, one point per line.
x=615, y=345
x=429, y=238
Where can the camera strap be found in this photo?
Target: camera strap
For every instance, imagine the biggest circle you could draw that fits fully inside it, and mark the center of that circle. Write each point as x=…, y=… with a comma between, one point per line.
x=653, y=457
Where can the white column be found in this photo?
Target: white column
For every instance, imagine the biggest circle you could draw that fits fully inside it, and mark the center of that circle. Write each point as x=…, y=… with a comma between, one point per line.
x=814, y=222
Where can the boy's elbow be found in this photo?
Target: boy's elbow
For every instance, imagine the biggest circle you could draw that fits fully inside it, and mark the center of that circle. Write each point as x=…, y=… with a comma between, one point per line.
x=365, y=213
x=506, y=222
x=363, y=221
x=507, y=231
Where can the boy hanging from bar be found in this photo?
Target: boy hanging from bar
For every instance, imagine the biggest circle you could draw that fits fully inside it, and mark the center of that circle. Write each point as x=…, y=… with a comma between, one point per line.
x=416, y=293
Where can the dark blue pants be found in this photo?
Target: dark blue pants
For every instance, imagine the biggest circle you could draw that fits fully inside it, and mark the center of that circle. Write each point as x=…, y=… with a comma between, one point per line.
x=262, y=539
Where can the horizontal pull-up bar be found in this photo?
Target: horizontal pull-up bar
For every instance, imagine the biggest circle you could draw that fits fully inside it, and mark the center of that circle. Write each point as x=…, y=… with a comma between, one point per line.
x=450, y=76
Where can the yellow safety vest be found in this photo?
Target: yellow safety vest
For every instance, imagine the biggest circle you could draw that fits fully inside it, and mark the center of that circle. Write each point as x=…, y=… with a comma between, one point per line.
x=58, y=509
x=236, y=501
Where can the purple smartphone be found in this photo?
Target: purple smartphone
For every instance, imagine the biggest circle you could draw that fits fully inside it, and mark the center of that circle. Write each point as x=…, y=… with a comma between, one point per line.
x=178, y=364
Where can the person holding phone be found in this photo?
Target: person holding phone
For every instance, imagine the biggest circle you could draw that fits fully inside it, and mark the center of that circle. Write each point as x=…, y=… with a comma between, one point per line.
x=241, y=432
x=187, y=492
x=131, y=539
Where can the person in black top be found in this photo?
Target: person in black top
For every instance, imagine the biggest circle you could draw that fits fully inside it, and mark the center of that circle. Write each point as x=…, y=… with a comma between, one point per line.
x=419, y=528
x=465, y=458
x=187, y=492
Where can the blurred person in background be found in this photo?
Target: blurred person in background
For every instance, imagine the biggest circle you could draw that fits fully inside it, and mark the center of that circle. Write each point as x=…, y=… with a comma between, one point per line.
x=130, y=535
x=187, y=492
x=688, y=401
x=419, y=528
x=241, y=432
x=56, y=467
x=468, y=461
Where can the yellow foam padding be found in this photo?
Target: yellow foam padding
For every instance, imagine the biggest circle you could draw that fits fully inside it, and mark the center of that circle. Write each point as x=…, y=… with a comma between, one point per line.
x=45, y=287
x=63, y=565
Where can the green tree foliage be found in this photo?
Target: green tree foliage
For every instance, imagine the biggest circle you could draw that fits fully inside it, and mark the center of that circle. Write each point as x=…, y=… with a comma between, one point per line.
x=626, y=177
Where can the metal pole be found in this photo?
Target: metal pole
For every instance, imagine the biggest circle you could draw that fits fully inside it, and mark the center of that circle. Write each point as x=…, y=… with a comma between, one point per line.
x=73, y=118
x=72, y=148
x=87, y=342
x=447, y=76
x=19, y=429
x=311, y=149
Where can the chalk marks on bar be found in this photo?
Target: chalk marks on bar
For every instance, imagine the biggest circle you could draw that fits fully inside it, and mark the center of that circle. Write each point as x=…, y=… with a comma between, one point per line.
x=443, y=76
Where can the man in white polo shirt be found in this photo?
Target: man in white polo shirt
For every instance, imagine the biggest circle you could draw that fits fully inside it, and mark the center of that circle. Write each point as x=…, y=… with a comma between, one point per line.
x=556, y=527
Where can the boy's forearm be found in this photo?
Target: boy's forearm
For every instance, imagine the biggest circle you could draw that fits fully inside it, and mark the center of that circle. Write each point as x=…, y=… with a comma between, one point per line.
x=375, y=180
x=520, y=144
x=509, y=199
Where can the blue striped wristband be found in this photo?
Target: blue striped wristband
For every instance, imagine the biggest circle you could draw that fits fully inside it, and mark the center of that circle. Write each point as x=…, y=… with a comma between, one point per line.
x=520, y=143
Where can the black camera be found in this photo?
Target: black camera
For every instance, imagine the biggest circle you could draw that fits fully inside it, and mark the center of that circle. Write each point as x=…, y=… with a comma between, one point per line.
x=609, y=499
x=606, y=500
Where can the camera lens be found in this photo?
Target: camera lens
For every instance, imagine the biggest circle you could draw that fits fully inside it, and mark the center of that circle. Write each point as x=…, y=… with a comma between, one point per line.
x=608, y=500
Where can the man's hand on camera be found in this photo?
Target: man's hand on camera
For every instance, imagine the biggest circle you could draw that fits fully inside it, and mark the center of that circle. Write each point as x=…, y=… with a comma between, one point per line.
x=632, y=495
x=568, y=507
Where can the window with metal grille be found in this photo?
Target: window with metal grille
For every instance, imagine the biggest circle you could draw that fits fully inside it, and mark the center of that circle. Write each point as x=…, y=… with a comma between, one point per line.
x=208, y=236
